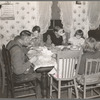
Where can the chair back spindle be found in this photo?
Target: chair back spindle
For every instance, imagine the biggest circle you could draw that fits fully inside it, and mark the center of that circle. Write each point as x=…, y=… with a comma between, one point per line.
x=91, y=78
x=68, y=63
x=92, y=66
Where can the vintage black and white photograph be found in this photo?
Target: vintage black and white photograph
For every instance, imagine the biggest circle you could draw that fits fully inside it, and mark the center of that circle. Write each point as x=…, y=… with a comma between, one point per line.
x=50, y=49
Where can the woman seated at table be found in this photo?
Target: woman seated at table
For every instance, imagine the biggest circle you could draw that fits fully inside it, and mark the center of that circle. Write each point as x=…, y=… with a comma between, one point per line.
x=78, y=39
x=57, y=38
x=89, y=51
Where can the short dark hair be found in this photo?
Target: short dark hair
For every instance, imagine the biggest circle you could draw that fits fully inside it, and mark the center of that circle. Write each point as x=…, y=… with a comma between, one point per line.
x=79, y=32
x=17, y=37
x=25, y=33
x=56, y=28
x=36, y=28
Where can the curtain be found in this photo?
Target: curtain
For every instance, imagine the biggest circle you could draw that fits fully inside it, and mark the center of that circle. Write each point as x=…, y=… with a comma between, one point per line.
x=44, y=15
x=93, y=14
x=66, y=14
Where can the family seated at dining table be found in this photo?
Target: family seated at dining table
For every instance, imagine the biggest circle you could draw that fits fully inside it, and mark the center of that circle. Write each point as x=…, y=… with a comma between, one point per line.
x=58, y=38
x=27, y=50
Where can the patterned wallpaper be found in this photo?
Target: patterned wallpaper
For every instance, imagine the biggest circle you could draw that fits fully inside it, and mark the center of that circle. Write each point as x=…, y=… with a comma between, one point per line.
x=80, y=17
x=25, y=13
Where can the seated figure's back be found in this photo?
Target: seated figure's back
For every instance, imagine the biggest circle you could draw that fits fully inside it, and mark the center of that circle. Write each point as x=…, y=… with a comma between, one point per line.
x=19, y=59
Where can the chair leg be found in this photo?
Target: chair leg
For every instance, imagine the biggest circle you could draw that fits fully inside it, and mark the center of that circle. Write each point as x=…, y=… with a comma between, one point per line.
x=7, y=89
x=12, y=94
x=59, y=89
x=77, y=96
x=92, y=92
x=84, y=95
x=51, y=82
x=11, y=89
x=3, y=80
x=36, y=88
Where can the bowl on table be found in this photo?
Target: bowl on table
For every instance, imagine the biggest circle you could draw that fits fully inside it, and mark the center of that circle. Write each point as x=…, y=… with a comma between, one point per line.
x=74, y=47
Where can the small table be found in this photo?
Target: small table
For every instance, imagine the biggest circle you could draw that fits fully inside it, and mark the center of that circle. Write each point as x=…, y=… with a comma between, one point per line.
x=44, y=79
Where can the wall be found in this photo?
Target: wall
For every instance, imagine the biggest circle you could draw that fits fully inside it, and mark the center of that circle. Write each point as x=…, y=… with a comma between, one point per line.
x=25, y=13
x=80, y=18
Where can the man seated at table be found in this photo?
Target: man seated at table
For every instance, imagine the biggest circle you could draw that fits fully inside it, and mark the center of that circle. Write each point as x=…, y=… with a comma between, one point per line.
x=22, y=66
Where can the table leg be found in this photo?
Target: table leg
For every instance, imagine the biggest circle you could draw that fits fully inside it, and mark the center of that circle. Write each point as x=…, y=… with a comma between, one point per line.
x=44, y=84
x=44, y=80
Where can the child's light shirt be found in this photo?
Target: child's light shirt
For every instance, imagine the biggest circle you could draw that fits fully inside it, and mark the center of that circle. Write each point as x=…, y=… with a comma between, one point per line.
x=76, y=42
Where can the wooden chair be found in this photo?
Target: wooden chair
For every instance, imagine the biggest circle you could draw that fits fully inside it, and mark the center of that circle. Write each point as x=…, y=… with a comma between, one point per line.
x=67, y=67
x=3, y=77
x=13, y=85
x=91, y=79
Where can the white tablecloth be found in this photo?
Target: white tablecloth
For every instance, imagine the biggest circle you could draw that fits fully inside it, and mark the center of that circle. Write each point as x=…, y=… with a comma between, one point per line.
x=39, y=63
x=43, y=58
x=46, y=63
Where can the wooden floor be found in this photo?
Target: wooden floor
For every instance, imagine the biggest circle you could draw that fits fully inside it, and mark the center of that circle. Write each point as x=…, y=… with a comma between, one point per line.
x=64, y=94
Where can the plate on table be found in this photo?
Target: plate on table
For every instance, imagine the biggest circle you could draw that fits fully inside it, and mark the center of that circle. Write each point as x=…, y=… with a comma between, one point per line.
x=69, y=46
x=74, y=48
x=60, y=47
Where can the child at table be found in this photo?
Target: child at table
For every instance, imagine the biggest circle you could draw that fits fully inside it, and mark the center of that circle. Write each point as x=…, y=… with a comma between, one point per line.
x=78, y=39
x=36, y=37
x=58, y=37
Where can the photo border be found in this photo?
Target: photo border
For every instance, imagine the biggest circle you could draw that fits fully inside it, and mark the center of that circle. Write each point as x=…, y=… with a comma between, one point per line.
x=41, y=98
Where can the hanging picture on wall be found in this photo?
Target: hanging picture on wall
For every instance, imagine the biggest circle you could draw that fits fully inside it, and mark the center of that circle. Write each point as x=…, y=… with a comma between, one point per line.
x=7, y=12
x=78, y=2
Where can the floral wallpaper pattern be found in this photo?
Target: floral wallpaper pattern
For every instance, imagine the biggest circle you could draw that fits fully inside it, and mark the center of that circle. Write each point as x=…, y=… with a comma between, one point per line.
x=80, y=18
x=25, y=18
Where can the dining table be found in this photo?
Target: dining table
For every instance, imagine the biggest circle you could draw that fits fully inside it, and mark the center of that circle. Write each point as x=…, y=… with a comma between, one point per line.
x=45, y=65
x=44, y=79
